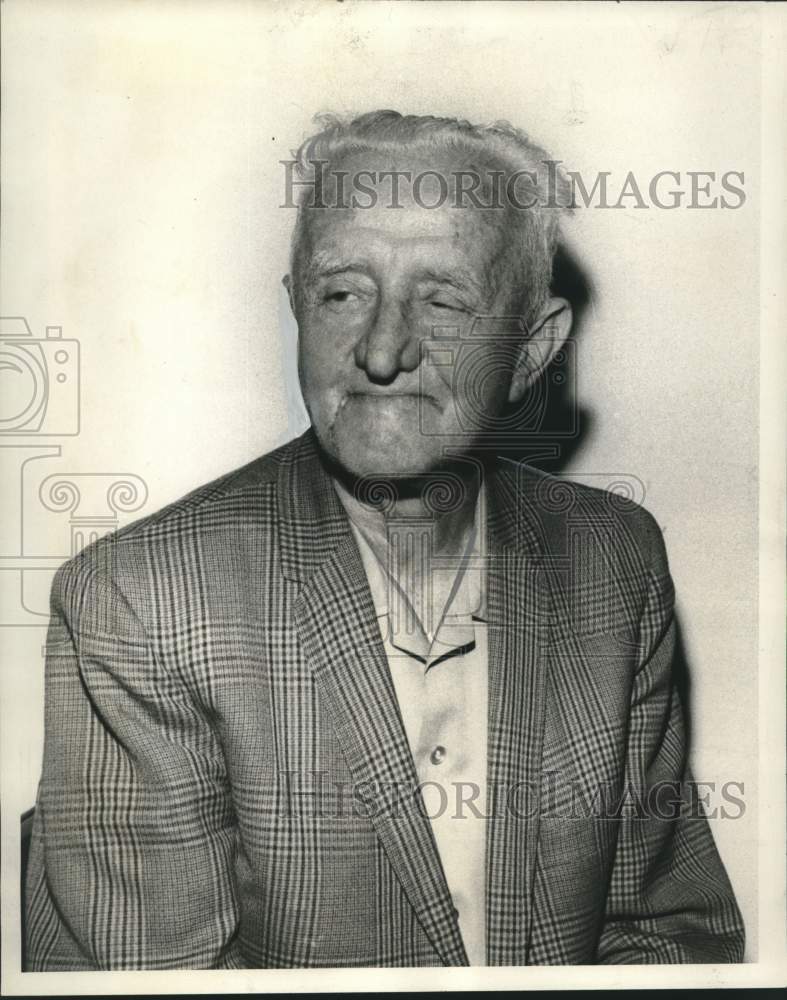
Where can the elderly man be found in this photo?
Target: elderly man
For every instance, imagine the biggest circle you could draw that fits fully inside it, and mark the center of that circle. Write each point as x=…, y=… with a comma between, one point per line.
x=377, y=698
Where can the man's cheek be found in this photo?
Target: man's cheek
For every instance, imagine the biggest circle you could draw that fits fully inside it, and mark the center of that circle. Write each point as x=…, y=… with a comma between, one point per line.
x=319, y=365
x=328, y=356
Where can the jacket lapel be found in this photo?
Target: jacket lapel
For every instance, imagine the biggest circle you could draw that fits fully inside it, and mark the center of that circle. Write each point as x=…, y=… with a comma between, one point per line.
x=338, y=628
x=519, y=608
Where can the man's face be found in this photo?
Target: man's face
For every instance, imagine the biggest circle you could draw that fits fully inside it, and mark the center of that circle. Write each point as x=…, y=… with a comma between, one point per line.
x=373, y=285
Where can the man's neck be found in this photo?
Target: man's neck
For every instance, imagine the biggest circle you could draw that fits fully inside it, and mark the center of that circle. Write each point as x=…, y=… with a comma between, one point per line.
x=450, y=524
x=407, y=537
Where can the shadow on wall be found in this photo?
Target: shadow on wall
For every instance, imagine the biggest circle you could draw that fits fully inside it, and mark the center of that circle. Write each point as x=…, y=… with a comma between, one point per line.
x=25, y=835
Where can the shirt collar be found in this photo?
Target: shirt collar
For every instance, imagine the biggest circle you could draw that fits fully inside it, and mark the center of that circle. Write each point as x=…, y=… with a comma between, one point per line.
x=464, y=578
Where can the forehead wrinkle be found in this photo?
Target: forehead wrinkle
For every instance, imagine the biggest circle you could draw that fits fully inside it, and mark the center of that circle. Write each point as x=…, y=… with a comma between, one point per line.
x=486, y=254
x=334, y=257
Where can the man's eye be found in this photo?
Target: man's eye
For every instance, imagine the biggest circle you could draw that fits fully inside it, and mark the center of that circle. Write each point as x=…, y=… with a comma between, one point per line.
x=443, y=304
x=339, y=296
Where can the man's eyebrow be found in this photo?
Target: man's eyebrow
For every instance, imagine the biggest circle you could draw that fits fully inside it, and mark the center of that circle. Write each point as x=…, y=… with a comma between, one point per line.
x=326, y=270
x=462, y=281
x=324, y=265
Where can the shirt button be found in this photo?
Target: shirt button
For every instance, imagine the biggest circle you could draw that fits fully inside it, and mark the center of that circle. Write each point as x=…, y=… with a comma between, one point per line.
x=438, y=755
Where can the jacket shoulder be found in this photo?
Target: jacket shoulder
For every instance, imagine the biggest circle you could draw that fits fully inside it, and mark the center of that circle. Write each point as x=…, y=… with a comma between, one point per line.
x=226, y=502
x=557, y=506
x=603, y=552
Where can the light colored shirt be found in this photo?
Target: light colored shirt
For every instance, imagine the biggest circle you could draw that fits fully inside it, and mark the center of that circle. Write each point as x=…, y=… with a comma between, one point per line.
x=437, y=655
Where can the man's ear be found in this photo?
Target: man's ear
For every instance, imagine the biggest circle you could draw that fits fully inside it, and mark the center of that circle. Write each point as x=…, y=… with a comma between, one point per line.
x=544, y=339
x=287, y=282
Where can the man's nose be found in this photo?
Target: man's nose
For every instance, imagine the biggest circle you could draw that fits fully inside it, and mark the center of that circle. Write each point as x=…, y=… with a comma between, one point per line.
x=389, y=345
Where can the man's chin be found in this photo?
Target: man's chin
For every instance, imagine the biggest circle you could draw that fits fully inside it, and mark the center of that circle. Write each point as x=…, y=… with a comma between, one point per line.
x=373, y=439
x=381, y=460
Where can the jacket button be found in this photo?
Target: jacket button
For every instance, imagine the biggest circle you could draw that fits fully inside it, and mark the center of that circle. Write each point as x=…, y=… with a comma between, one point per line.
x=438, y=755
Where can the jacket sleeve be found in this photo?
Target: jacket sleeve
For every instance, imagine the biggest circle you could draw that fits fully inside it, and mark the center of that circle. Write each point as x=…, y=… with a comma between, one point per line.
x=133, y=839
x=669, y=898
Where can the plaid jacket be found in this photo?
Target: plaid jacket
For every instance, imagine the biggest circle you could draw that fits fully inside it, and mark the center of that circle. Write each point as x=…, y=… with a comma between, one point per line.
x=227, y=781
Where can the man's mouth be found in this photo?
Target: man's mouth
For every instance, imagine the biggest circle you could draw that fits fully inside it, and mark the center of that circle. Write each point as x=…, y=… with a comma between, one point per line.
x=414, y=397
